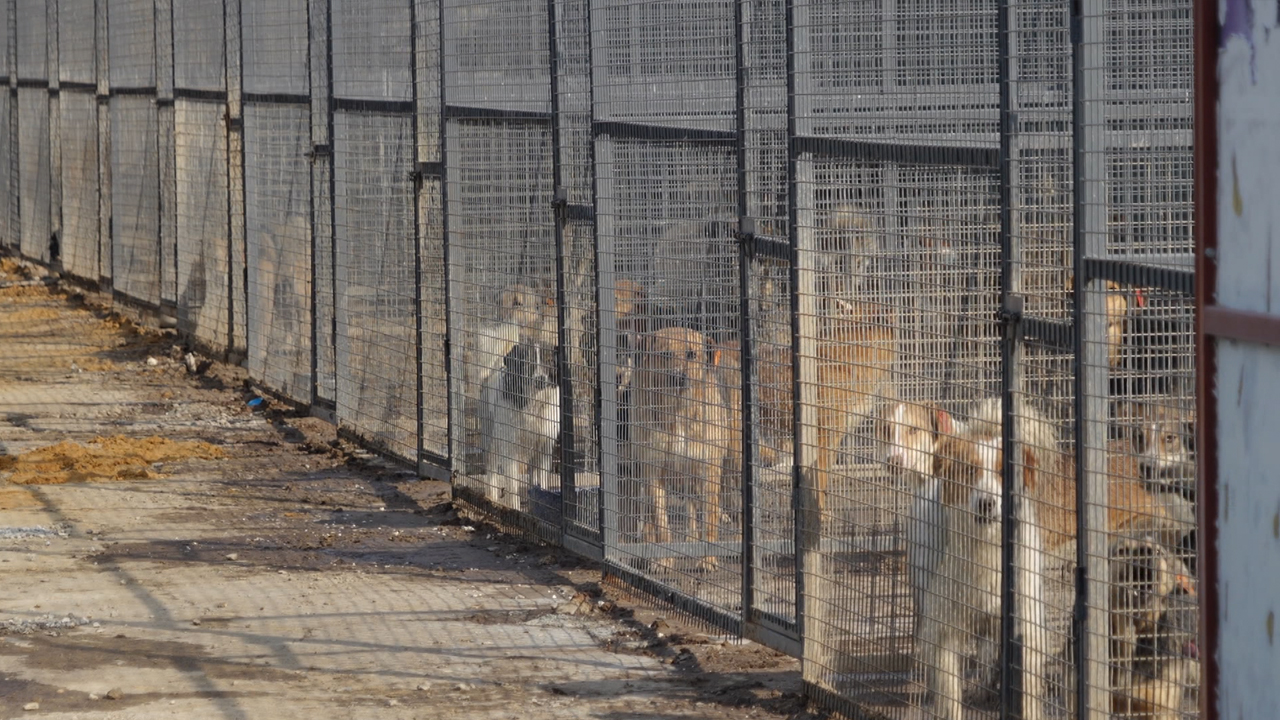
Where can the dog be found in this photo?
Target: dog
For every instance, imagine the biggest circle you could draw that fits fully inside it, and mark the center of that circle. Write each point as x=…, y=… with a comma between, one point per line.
x=1166, y=444
x=524, y=313
x=957, y=556
x=854, y=356
x=1153, y=618
x=908, y=434
x=682, y=432
x=520, y=422
x=962, y=593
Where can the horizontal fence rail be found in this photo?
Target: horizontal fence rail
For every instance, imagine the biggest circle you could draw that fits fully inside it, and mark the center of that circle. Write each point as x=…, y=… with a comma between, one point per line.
x=861, y=330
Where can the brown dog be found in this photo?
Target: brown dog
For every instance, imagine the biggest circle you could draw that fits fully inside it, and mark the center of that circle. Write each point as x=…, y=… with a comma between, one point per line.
x=682, y=434
x=856, y=349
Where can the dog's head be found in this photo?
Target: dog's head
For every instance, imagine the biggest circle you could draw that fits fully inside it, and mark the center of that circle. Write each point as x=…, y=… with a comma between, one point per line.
x=908, y=433
x=528, y=368
x=531, y=309
x=674, y=359
x=972, y=477
x=1143, y=575
x=1166, y=442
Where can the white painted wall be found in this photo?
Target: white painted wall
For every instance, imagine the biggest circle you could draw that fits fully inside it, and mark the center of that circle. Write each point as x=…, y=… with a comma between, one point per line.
x=1248, y=382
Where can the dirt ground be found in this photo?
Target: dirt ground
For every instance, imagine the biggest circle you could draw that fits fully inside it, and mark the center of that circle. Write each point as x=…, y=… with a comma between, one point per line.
x=166, y=550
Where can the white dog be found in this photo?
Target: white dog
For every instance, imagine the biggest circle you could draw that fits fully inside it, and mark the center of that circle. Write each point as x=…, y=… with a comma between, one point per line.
x=962, y=595
x=520, y=422
x=909, y=434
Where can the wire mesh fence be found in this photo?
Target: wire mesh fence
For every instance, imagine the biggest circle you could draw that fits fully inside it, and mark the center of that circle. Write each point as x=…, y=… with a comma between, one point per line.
x=863, y=330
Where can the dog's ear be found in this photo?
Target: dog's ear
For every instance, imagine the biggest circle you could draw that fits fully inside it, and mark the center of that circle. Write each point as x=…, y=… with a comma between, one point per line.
x=1028, y=468
x=941, y=422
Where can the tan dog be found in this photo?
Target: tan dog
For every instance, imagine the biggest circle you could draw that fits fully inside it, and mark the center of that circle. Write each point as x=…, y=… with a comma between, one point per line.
x=682, y=432
x=856, y=349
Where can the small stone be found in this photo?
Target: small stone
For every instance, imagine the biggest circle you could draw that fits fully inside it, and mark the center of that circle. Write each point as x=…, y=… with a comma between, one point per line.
x=94, y=696
x=31, y=706
x=115, y=694
x=424, y=687
x=393, y=702
x=232, y=556
x=195, y=622
x=152, y=362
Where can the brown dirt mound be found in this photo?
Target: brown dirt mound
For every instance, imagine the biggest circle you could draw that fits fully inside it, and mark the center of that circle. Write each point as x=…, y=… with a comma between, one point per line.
x=104, y=458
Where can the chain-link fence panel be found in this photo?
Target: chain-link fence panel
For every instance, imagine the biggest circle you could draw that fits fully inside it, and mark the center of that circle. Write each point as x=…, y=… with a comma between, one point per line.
x=166, y=142
x=201, y=181
x=35, y=172
x=277, y=192
x=135, y=198
x=78, y=124
x=203, y=239
x=507, y=400
x=1138, y=86
x=278, y=241
x=78, y=115
x=135, y=151
x=374, y=229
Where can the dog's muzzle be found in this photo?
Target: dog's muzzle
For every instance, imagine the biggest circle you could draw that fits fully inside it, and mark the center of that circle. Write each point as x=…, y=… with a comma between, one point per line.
x=987, y=510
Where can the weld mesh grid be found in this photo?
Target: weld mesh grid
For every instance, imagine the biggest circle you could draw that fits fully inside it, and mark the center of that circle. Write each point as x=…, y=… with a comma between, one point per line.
x=496, y=54
x=202, y=234
x=10, y=231
x=199, y=45
x=278, y=240
x=501, y=284
x=78, y=116
x=32, y=23
x=135, y=198
x=374, y=248
x=435, y=331
x=666, y=63
x=131, y=43
x=1145, y=68
x=902, y=261
x=671, y=209
x=908, y=71
x=35, y=171
x=76, y=48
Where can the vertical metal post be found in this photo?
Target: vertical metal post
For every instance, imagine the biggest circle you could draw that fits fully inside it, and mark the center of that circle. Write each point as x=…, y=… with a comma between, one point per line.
x=1089, y=241
x=606, y=394
x=418, y=381
x=610, y=446
x=315, y=275
x=1011, y=306
x=560, y=201
x=746, y=232
x=454, y=426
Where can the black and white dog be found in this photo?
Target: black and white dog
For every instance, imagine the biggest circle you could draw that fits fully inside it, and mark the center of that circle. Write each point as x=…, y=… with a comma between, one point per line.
x=520, y=422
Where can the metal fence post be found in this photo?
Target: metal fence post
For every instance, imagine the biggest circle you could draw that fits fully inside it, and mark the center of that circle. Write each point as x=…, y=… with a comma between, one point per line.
x=1090, y=625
